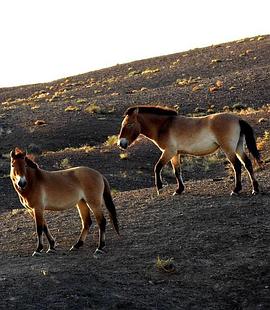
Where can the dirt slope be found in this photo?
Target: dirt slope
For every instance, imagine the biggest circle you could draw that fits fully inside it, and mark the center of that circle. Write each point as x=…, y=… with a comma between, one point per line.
x=219, y=245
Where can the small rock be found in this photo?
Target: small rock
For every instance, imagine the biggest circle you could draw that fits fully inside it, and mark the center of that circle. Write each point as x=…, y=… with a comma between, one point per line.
x=40, y=122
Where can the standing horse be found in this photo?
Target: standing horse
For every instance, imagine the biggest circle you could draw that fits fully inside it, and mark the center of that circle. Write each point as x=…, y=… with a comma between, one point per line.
x=175, y=135
x=41, y=190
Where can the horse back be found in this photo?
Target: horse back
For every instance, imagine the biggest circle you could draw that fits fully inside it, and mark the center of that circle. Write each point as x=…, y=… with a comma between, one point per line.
x=77, y=177
x=203, y=135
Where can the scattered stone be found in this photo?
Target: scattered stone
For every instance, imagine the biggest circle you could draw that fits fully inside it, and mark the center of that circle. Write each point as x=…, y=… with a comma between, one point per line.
x=40, y=122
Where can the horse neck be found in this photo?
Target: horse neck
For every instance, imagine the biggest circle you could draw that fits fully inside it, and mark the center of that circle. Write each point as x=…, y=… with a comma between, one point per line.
x=151, y=124
x=31, y=176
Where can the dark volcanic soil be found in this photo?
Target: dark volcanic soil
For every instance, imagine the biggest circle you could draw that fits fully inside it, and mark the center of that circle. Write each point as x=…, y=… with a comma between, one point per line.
x=218, y=245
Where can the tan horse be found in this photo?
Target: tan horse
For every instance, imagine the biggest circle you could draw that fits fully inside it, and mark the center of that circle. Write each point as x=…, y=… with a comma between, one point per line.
x=175, y=135
x=41, y=190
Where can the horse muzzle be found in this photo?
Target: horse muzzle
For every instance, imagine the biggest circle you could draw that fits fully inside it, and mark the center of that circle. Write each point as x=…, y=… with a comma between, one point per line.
x=122, y=143
x=22, y=183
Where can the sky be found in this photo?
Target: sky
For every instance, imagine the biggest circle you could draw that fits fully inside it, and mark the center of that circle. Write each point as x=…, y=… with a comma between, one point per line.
x=44, y=40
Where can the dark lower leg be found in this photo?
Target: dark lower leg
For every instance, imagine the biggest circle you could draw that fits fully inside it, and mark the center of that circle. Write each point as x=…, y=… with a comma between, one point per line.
x=50, y=238
x=175, y=161
x=248, y=166
x=102, y=227
x=179, y=180
x=237, y=175
x=84, y=233
x=39, y=229
x=158, y=181
x=86, y=223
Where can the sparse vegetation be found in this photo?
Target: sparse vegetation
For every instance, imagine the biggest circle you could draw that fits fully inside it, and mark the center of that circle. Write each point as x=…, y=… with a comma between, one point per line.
x=65, y=163
x=72, y=108
x=165, y=265
x=263, y=141
x=150, y=71
x=111, y=140
x=123, y=155
x=189, y=81
x=93, y=108
x=239, y=106
x=82, y=100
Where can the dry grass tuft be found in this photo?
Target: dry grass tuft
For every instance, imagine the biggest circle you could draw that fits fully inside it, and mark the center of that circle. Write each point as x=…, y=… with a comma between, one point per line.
x=111, y=140
x=165, y=265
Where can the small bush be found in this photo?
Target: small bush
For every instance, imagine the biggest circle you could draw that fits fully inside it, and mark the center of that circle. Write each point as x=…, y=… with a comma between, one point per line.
x=81, y=100
x=123, y=156
x=111, y=140
x=93, y=108
x=150, y=71
x=165, y=265
x=65, y=164
x=239, y=106
x=71, y=109
x=262, y=141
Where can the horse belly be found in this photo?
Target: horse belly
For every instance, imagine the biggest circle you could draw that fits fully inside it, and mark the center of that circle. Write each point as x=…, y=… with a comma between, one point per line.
x=202, y=146
x=62, y=202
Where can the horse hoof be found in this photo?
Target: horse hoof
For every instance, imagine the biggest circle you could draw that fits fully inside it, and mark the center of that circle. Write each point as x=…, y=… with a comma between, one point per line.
x=51, y=251
x=73, y=249
x=98, y=253
x=234, y=194
x=254, y=193
x=177, y=193
x=36, y=254
x=160, y=190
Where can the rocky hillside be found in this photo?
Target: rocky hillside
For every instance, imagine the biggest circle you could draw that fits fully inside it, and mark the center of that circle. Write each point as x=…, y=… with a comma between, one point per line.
x=201, y=250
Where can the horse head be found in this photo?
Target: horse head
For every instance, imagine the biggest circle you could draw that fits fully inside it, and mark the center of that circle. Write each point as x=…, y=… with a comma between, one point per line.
x=130, y=128
x=19, y=162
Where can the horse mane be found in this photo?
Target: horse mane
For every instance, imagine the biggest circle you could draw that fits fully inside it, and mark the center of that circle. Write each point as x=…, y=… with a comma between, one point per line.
x=160, y=110
x=30, y=163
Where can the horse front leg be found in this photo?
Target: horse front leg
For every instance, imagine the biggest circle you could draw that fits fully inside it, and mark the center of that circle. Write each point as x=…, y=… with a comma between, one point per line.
x=163, y=160
x=175, y=161
x=50, y=238
x=39, y=223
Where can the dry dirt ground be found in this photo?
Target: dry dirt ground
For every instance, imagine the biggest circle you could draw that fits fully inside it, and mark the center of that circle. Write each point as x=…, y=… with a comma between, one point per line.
x=217, y=245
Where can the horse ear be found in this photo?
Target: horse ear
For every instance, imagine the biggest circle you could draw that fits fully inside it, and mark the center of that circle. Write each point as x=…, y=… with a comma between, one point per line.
x=19, y=151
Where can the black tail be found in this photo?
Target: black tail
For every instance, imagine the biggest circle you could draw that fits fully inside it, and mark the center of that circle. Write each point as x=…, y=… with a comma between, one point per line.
x=247, y=131
x=110, y=205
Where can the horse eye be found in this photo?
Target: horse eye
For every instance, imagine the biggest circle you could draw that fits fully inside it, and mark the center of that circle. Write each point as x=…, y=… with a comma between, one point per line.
x=130, y=125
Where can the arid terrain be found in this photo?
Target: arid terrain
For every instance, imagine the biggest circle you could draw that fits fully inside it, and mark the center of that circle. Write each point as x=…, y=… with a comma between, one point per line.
x=214, y=248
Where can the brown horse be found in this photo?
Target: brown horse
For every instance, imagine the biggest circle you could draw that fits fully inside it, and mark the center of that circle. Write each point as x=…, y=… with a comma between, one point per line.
x=41, y=190
x=175, y=135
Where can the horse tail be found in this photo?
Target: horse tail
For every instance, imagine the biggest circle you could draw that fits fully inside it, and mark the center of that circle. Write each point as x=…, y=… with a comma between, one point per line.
x=248, y=132
x=110, y=204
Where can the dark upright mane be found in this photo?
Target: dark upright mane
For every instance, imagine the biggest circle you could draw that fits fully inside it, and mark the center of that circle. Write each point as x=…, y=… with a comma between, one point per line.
x=31, y=163
x=151, y=109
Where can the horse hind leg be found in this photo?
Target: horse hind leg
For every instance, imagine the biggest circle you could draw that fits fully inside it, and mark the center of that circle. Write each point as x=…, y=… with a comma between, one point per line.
x=248, y=166
x=175, y=161
x=95, y=203
x=101, y=221
x=236, y=164
x=86, y=223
